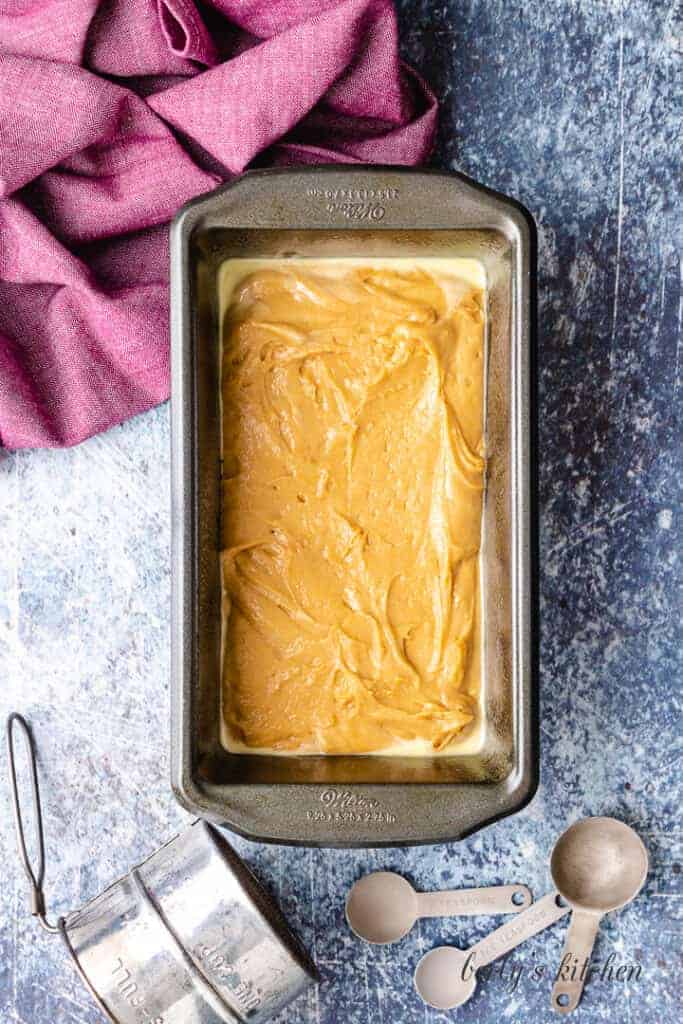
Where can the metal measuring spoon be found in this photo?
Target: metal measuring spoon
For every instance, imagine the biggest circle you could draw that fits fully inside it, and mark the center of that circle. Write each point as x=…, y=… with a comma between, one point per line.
x=446, y=977
x=598, y=865
x=382, y=907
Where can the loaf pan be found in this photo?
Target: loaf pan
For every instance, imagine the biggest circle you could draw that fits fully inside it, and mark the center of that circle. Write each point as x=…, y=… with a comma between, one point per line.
x=376, y=212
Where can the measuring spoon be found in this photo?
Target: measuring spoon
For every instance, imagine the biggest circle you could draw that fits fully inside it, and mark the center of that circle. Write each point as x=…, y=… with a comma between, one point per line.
x=382, y=907
x=447, y=976
x=598, y=865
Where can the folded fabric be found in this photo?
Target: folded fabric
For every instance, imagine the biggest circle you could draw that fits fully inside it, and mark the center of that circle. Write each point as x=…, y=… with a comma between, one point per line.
x=113, y=113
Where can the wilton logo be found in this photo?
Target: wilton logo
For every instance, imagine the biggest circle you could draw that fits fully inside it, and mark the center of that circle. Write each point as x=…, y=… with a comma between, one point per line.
x=342, y=798
x=340, y=807
x=355, y=203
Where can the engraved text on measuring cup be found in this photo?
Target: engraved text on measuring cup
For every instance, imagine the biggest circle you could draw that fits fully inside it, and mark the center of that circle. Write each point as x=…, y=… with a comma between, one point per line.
x=227, y=973
x=128, y=989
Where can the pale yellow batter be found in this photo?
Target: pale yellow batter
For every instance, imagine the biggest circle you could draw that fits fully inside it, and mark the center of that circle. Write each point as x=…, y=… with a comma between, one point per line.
x=353, y=474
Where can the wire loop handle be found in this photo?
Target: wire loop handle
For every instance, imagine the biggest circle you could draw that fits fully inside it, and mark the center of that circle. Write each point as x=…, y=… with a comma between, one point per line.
x=35, y=875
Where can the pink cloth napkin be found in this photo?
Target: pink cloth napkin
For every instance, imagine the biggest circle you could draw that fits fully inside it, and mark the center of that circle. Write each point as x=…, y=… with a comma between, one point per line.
x=113, y=113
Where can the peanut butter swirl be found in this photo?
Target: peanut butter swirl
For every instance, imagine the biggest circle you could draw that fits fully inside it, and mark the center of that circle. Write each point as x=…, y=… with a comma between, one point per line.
x=353, y=474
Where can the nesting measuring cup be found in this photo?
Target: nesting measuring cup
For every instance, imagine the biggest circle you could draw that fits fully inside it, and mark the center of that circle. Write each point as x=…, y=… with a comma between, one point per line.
x=598, y=865
x=187, y=937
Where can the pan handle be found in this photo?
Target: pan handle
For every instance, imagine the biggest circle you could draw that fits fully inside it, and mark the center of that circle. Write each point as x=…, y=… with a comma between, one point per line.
x=35, y=874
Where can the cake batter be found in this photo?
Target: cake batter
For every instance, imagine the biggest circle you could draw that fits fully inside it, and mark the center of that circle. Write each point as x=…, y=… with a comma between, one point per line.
x=353, y=476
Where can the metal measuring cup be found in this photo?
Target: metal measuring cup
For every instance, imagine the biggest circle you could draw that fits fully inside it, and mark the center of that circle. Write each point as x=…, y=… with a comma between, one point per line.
x=598, y=865
x=187, y=937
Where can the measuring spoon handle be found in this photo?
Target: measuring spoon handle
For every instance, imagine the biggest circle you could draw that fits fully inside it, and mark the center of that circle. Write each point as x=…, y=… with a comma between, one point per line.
x=534, y=919
x=578, y=946
x=493, y=899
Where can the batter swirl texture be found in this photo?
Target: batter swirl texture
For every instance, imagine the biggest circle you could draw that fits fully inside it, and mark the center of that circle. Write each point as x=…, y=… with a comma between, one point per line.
x=353, y=475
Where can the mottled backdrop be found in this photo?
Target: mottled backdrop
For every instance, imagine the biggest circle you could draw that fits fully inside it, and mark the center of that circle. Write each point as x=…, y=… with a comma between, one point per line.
x=572, y=106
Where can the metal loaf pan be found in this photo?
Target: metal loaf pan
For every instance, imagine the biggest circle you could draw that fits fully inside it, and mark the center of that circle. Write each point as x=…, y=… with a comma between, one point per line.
x=376, y=212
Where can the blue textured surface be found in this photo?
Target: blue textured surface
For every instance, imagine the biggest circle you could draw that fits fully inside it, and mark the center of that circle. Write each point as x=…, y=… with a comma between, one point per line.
x=572, y=107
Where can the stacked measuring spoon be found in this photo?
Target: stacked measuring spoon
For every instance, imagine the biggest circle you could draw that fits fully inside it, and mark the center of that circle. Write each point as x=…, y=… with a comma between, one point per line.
x=383, y=907
x=598, y=865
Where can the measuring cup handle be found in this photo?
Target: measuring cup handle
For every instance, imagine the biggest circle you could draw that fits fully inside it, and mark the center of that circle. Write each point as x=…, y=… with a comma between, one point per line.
x=493, y=899
x=578, y=946
x=534, y=919
x=35, y=874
